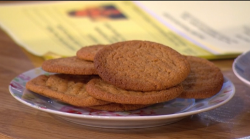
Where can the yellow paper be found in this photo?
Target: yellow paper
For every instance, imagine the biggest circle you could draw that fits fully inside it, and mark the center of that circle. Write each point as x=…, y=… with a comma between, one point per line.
x=59, y=29
x=220, y=27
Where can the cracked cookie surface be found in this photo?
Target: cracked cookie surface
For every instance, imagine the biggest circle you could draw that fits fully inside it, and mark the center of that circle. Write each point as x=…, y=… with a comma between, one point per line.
x=205, y=79
x=70, y=89
x=89, y=52
x=104, y=91
x=141, y=65
x=69, y=65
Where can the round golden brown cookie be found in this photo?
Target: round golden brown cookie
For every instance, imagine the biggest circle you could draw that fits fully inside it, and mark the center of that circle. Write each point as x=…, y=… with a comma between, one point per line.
x=69, y=65
x=104, y=91
x=204, y=80
x=118, y=107
x=141, y=65
x=89, y=52
x=65, y=88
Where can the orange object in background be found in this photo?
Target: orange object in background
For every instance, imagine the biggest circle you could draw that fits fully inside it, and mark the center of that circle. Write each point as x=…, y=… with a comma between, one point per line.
x=95, y=13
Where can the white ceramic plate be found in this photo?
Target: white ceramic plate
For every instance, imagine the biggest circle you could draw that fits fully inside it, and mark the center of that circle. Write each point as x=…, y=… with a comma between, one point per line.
x=241, y=67
x=156, y=115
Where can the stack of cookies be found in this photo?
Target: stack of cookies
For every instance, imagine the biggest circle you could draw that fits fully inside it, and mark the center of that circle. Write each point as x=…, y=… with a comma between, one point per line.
x=126, y=76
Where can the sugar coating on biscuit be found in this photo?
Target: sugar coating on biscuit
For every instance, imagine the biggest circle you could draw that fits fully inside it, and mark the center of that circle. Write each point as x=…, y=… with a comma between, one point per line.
x=69, y=65
x=89, y=52
x=205, y=79
x=104, y=91
x=65, y=88
x=141, y=65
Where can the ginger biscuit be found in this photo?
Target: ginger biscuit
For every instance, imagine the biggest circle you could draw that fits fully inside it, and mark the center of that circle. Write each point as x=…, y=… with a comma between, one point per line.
x=118, y=107
x=104, y=91
x=65, y=88
x=69, y=65
x=204, y=80
x=141, y=65
x=89, y=52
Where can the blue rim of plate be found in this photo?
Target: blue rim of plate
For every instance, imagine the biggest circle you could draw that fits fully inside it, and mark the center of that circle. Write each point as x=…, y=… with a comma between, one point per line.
x=228, y=91
x=241, y=67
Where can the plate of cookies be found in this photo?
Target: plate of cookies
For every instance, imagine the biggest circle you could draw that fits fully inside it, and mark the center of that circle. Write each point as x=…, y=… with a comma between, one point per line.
x=129, y=84
x=241, y=67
